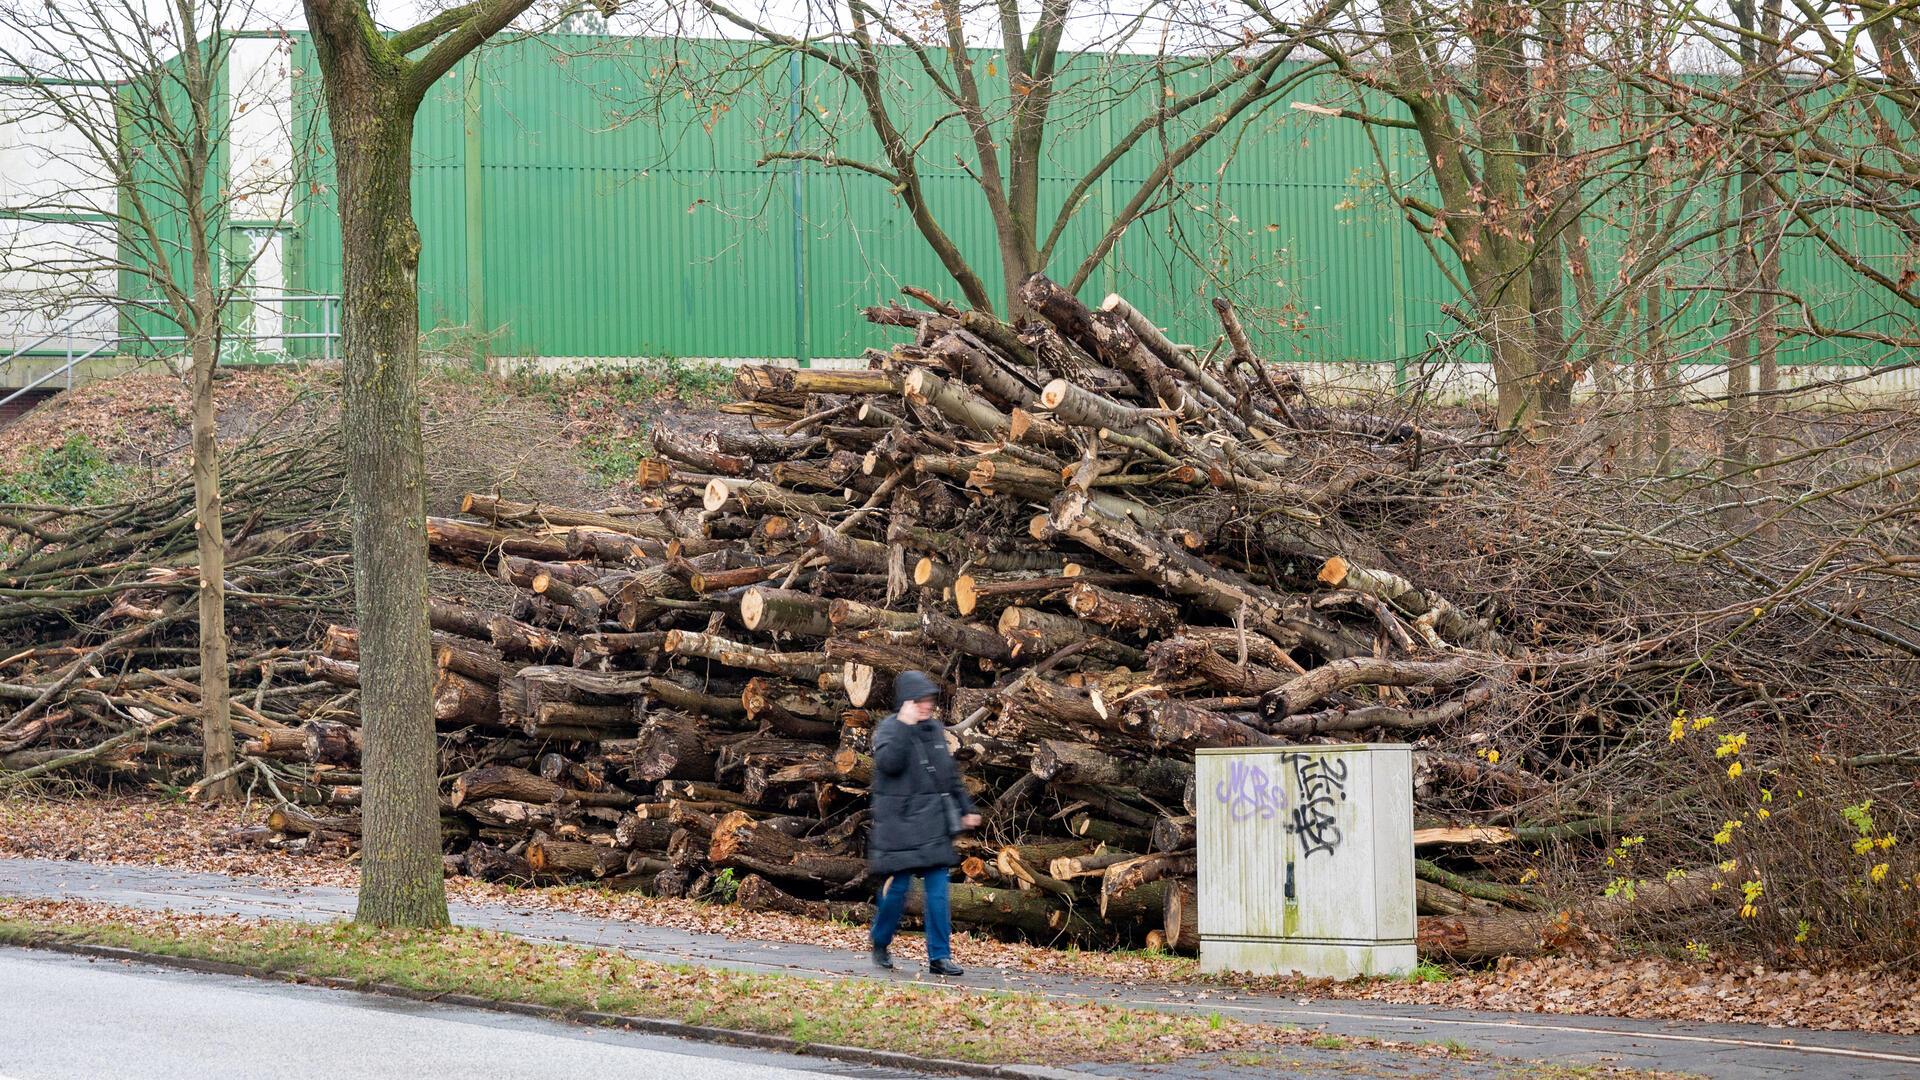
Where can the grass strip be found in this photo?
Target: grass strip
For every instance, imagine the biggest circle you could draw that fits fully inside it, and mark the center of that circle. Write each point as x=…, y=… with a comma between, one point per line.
x=976, y=1026
x=961, y=1024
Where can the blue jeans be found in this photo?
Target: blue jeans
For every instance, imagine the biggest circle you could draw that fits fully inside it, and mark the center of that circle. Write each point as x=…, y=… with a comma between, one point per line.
x=893, y=904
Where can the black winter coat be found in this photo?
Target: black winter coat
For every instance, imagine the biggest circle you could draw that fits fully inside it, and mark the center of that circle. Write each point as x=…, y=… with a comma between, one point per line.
x=909, y=829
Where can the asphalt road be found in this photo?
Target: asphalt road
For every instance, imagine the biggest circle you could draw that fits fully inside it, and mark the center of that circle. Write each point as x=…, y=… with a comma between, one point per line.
x=69, y=1018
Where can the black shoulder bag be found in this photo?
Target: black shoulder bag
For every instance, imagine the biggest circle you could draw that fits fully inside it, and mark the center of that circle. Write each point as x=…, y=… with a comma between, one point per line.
x=947, y=805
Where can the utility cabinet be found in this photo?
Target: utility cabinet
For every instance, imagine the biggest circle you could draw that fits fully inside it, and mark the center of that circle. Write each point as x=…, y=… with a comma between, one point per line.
x=1306, y=860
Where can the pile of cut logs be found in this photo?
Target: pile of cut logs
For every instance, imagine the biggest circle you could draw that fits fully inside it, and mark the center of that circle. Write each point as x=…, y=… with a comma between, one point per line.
x=1110, y=548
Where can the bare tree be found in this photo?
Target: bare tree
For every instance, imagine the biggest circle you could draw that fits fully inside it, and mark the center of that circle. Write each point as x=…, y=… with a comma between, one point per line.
x=1485, y=87
x=1005, y=84
x=374, y=83
x=126, y=94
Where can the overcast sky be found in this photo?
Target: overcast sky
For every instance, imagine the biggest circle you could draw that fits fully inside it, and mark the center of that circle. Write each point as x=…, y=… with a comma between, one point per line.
x=1136, y=26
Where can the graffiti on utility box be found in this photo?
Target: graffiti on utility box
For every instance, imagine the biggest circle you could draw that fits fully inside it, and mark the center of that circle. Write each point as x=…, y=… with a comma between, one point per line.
x=1250, y=792
x=1322, y=781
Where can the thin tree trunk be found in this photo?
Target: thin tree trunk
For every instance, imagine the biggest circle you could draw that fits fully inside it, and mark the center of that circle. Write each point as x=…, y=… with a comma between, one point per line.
x=198, y=313
x=1743, y=303
x=1736, y=427
x=216, y=729
x=1660, y=378
x=1766, y=303
x=1548, y=140
x=1766, y=335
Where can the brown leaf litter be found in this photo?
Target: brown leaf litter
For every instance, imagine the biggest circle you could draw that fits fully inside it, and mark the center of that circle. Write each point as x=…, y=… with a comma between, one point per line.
x=147, y=831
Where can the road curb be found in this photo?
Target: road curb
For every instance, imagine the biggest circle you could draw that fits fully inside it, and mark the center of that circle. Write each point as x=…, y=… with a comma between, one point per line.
x=670, y=1028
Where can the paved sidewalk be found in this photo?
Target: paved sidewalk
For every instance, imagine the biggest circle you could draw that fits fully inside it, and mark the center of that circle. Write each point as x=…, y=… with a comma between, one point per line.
x=1728, y=1051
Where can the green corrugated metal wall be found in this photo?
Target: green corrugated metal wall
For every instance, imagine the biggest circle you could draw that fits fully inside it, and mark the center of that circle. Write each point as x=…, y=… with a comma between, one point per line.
x=603, y=238
x=584, y=235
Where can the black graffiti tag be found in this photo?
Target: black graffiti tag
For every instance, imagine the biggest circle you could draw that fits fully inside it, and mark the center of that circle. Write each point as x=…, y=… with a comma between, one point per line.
x=1323, y=787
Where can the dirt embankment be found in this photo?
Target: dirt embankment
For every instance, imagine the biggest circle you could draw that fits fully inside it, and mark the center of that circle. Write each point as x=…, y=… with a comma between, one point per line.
x=573, y=436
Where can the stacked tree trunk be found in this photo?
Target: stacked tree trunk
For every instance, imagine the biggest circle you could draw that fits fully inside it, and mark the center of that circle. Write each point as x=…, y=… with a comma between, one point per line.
x=1109, y=548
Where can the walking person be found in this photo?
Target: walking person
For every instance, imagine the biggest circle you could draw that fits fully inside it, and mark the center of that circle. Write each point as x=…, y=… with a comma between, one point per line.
x=919, y=806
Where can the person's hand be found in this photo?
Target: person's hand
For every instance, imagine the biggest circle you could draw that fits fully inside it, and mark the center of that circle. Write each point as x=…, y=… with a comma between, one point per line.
x=971, y=821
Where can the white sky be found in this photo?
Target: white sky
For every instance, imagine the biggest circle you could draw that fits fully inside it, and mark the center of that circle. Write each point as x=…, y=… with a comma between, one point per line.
x=1138, y=26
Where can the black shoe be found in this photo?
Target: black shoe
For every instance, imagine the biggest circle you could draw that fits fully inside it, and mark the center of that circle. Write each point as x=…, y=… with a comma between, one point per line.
x=945, y=967
x=882, y=958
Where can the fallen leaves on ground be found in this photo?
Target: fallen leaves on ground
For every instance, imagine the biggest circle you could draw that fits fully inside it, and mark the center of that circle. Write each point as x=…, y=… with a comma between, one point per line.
x=140, y=830
x=146, y=831
x=1656, y=988
x=141, y=419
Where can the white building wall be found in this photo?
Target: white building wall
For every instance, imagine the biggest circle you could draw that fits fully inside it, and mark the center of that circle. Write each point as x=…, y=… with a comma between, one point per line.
x=260, y=110
x=260, y=178
x=56, y=233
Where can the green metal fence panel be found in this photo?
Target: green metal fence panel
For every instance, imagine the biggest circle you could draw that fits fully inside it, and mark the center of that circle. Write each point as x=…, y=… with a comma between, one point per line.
x=564, y=212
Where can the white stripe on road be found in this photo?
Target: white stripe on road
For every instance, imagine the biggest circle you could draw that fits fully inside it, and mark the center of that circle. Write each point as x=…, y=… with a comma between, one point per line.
x=1523, y=1025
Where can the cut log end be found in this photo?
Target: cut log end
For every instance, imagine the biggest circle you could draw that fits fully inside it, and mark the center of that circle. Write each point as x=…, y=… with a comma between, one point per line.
x=858, y=682
x=753, y=608
x=1333, y=571
x=966, y=594
x=917, y=383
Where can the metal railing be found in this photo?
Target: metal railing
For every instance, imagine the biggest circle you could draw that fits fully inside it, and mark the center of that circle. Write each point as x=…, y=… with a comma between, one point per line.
x=328, y=335
x=65, y=330
x=66, y=369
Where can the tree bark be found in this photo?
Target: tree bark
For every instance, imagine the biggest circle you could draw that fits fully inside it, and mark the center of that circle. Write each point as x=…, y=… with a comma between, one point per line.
x=1125, y=877
x=216, y=729
x=564, y=858
x=372, y=93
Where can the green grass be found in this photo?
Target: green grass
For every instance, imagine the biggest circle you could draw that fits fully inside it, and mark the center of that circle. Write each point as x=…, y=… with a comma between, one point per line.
x=612, y=458
x=1330, y=1042
x=1428, y=972
x=643, y=383
x=75, y=473
x=857, y=1012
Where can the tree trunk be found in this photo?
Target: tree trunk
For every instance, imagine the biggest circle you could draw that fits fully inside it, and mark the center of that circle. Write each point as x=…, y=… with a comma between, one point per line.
x=370, y=111
x=1507, y=318
x=1660, y=379
x=216, y=729
x=1736, y=425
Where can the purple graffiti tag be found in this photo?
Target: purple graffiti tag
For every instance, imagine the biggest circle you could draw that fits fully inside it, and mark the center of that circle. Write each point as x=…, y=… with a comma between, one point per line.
x=1249, y=792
